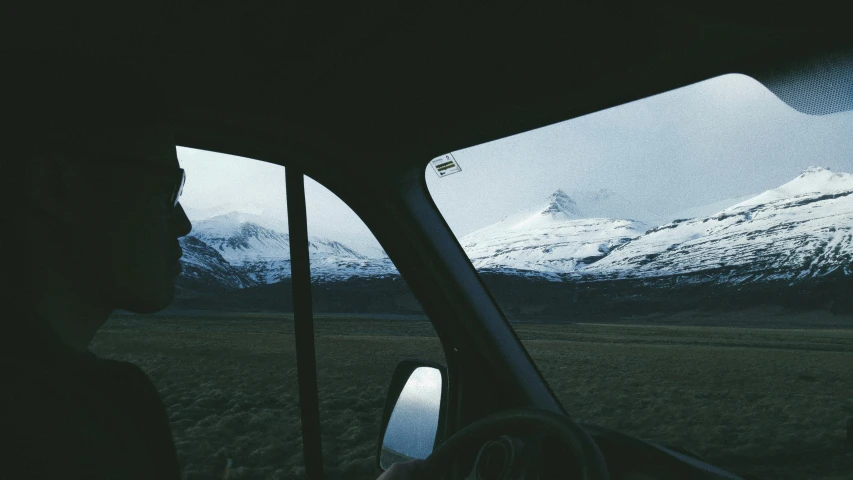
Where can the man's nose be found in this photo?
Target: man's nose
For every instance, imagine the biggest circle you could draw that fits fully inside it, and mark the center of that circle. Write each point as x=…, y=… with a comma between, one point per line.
x=180, y=223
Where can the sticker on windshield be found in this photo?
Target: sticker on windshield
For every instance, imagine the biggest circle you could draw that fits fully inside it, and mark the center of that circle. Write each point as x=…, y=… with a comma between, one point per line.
x=445, y=165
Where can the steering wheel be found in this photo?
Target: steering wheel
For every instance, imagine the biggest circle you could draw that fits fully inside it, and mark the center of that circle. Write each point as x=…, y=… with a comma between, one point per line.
x=520, y=421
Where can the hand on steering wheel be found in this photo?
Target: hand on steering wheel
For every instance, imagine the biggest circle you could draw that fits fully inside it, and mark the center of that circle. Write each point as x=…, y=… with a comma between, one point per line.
x=519, y=421
x=404, y=471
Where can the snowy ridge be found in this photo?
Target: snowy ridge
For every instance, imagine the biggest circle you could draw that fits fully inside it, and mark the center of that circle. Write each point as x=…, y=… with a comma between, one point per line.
x=553, y=239
x=204, y=267
x=259, y=251
x=813, y=180
x=709, y=209
x=240, y=238
x=561, y=207
x=802, y=229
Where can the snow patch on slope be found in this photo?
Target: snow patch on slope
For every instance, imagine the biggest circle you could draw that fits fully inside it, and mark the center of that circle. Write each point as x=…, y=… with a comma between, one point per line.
x=258, y=248
x=711, y=208
x=812, y=180
x=553, y=239
x=802, y=229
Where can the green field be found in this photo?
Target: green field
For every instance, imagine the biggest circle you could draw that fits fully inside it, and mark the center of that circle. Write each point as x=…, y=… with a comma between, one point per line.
x=771, y=402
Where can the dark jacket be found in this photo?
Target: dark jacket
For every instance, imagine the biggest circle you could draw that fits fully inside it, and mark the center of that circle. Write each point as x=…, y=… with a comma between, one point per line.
x=69, y=415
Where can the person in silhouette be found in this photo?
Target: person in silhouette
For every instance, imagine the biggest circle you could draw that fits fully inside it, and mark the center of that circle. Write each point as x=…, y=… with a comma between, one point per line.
x=91, y=205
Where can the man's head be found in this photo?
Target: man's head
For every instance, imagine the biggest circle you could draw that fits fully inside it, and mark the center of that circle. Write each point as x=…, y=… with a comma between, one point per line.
x=96, y=170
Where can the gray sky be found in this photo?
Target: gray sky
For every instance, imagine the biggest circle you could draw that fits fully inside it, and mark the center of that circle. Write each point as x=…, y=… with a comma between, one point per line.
x=710, y=141
x=717, y=139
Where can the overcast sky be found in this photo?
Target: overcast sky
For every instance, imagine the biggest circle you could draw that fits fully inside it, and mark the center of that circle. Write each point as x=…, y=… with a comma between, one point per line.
x=725, y=137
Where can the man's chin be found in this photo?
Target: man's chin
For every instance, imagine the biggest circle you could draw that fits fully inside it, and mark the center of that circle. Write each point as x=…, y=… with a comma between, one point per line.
x=150, y=303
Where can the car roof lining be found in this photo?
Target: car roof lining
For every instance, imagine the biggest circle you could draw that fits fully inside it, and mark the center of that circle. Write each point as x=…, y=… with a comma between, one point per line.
x=372, y=91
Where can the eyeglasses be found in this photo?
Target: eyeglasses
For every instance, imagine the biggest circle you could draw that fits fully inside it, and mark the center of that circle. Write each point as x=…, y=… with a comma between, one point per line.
x=173, y=181
x=179, y=187
x=174, y=178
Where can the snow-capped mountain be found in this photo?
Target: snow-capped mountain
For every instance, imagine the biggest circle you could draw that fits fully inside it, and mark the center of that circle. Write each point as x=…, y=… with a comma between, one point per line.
x=555, y=238
x=801, y=230
x=204, y=267
x=242, y=237
x=709, y=209
x=259, y=250
x=199, y=213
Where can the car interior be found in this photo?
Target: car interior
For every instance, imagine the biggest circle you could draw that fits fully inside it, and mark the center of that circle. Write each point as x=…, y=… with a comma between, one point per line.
x=360, y=96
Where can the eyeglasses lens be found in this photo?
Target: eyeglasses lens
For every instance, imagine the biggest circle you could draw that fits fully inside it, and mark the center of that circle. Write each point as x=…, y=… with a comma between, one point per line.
x=179, y=189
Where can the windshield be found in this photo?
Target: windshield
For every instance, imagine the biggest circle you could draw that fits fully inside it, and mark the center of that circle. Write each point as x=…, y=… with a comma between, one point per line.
x=680, y=268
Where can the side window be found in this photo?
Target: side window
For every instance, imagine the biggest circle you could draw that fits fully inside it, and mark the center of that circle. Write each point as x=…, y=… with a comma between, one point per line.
x=366, y=320
x=222, y=355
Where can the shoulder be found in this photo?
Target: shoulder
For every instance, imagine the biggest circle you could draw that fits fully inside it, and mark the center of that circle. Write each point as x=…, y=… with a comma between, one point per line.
x=128, y=369
x=128, y=376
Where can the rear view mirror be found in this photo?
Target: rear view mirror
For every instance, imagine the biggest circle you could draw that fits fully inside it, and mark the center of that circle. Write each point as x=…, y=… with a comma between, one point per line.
x=413, y=421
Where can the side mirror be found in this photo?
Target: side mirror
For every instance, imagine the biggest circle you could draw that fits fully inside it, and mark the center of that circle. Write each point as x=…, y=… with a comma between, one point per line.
x=415, y=409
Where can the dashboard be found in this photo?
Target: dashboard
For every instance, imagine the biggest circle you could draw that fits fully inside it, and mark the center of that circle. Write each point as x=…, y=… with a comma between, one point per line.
x=541, y=456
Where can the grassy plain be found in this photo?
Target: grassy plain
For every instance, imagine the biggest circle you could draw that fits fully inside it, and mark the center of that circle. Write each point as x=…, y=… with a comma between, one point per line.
x=770, y=402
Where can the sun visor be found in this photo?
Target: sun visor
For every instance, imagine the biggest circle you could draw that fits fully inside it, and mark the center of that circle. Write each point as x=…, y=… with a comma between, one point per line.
x=821, y=85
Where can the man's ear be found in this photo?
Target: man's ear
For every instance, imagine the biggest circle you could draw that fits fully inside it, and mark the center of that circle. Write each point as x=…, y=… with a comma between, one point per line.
x=48, y=189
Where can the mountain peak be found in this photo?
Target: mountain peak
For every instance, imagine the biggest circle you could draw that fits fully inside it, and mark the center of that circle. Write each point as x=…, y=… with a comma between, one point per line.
x=813, y=170
x=561, y=203
x=235, y=220
x=812, y=181
x=819, y=179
